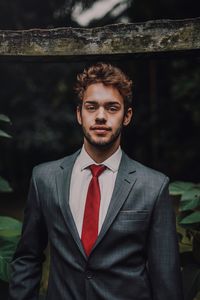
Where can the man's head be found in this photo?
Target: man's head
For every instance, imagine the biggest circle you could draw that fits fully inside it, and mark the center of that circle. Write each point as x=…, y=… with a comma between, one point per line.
x=107, y=74
x=104, y=107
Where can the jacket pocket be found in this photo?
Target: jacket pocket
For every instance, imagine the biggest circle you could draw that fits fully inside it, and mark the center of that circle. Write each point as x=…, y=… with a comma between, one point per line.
x=133, y=215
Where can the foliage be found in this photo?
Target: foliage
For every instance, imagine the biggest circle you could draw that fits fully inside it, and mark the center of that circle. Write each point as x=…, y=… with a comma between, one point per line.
x=189, y=216
x=189, y=219
x=10, y=230
x=4, y=118
x=4, y=185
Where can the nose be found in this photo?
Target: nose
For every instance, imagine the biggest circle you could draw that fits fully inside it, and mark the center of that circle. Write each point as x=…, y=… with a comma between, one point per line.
x=101, y=114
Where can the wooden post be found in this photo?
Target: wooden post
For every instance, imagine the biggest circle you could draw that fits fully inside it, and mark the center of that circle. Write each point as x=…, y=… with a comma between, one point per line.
x=135, y=40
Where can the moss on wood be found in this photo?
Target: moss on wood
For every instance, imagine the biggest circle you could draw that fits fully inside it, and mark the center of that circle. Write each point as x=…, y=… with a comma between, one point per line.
x=118, y=39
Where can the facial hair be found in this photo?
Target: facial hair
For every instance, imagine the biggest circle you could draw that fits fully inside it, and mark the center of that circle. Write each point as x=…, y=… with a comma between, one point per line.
x=102, y=144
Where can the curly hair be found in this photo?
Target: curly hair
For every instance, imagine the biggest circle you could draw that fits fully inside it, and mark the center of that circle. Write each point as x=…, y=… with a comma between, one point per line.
x=108, y=75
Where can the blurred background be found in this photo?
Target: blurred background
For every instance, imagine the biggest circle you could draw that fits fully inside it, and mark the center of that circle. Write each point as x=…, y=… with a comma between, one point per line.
x=39, y=100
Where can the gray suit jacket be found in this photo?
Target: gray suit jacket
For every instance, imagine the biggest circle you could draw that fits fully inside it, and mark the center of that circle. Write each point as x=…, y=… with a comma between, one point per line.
x=134, y=258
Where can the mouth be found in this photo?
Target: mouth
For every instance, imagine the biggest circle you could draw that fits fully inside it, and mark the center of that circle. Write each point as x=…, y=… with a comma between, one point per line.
x=100, y=129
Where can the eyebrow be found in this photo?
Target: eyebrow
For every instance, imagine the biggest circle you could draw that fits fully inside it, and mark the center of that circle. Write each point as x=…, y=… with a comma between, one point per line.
x=107, y=103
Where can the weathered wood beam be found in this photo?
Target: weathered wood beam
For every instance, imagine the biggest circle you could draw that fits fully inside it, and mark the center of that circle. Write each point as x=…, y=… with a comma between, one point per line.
x=150, y=37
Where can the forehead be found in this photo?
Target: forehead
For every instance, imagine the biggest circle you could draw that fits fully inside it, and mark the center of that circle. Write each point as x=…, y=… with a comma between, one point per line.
x=100, y=92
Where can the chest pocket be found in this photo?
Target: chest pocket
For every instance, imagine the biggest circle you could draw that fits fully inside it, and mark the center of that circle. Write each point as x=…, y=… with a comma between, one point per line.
x=131, y=222
x=133, y=215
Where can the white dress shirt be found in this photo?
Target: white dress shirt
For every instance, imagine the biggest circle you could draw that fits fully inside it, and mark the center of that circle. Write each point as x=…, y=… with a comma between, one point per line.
x=80, y=179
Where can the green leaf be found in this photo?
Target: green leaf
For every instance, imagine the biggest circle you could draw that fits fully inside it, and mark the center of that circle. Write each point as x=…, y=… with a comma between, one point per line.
x=192, y=218
x=191, y=194
x=189, y=205
x=4, y=118
x=4, y=186
x=10, y=230
x=9, y=227
x=4, y=268
x=190, y=199
x=179, y=187
x=4, y=134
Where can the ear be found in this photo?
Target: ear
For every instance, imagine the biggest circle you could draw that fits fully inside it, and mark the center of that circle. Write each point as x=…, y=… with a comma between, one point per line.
x=128, y=116
x=78, y=115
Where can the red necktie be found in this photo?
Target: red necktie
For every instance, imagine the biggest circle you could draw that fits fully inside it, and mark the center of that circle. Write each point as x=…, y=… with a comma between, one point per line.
x=91, y=213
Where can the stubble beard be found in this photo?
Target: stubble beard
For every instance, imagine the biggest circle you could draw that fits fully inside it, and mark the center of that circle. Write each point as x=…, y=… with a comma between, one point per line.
x=102, y=144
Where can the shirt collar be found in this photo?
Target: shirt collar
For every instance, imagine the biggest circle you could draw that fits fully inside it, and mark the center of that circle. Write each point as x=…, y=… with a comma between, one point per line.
x=112, y=163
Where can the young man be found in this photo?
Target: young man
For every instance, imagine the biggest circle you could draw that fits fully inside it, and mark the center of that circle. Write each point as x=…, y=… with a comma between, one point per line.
x=108, y=219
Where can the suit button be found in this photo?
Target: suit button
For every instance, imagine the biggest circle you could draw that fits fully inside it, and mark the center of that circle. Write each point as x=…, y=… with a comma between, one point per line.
x=89, y=274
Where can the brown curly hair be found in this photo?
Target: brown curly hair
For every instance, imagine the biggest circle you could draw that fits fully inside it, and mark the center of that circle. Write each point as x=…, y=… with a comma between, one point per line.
x=108, y=75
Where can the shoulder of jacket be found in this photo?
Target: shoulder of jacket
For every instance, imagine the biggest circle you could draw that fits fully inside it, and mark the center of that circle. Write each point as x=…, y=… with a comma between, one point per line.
x=148, y=174
x=49, y=167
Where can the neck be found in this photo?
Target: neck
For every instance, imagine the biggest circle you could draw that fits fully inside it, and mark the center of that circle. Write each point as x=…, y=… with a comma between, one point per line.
x=100, y=154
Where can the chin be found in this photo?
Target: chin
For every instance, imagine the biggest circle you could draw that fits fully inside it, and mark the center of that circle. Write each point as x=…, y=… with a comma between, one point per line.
x=102, y=144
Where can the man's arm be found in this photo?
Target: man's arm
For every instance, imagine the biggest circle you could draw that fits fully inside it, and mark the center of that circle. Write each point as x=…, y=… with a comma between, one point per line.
x=26, y=266
x=163, y=254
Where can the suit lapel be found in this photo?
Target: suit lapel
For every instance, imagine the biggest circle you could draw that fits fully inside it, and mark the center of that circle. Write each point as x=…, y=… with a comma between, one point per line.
x=125, y=181
x=63, y=178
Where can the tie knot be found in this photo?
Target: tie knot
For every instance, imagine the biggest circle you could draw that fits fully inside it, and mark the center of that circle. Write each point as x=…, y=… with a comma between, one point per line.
x=97, y=170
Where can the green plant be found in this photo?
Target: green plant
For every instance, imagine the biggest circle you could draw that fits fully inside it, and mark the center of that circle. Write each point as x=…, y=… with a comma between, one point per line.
x=10, y=229
x=4, y=185
x=188, y=227
x=189, y=206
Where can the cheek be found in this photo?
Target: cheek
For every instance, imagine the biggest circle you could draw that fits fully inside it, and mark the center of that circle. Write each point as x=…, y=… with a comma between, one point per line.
x=87, y=120
x=117, y=121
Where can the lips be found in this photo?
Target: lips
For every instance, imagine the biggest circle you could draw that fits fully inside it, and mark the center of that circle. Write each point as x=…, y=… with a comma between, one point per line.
x=100, y=129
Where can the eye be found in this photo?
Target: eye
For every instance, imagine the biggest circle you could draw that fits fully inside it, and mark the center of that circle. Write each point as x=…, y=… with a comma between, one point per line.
x=90, y=107
x=112, y=108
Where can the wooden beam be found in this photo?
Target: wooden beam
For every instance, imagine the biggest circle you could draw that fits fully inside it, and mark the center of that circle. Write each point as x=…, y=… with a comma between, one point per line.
x=152, y=37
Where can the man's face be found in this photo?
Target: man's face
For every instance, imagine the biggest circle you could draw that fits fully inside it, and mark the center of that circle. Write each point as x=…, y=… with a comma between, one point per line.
x=102, y=116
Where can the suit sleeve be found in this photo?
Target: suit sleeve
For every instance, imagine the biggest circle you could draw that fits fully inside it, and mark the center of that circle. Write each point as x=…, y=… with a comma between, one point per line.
x=163, y=252
x=26, y=266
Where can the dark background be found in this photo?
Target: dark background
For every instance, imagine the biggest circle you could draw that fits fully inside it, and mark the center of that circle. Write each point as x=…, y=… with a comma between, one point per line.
x=39, y=99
